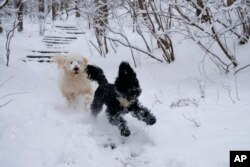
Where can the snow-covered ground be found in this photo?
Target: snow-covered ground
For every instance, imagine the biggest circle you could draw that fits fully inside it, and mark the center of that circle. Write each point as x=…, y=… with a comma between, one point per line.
x=37, y=129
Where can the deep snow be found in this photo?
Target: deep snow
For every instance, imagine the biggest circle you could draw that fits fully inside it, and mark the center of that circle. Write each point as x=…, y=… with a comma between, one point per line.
x=38, y=129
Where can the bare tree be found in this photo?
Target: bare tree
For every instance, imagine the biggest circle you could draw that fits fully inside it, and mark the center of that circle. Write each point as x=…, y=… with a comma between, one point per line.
x=149, y=13
x=197, y=29
x=100, y=22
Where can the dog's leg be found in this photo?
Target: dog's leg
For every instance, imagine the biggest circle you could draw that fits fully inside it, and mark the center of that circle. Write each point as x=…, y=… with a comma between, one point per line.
x=121, y=123
x=142, y=113
x=70, y=98
x=96, y=105
x=86, y=100
x=87, y=96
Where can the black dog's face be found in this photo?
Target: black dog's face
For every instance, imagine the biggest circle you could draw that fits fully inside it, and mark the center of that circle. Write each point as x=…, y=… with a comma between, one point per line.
x=126, y=84
x=131, y=94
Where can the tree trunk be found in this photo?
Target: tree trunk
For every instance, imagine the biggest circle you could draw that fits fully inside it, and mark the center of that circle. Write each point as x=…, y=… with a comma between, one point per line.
x=53, y=8
x=199, y=7
x=41, y=8
x=64, y=8
x=3, y=4
x=41, y=16
x=230, y=2
x=77, y=8
x=1, y=29
x=20, y=11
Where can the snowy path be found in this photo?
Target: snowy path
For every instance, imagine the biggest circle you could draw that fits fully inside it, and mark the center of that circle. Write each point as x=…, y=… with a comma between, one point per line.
x=38, y=129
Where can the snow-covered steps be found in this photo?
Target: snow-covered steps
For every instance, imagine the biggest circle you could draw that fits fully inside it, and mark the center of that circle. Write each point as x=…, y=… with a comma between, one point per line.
x=43, y=56
x=55, y=41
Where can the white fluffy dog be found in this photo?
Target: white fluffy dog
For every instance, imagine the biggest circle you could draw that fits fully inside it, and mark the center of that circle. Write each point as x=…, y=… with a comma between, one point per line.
x=73, y=79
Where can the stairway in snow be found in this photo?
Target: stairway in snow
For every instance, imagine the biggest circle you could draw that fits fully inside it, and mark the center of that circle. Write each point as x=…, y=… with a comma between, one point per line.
x=55, y=42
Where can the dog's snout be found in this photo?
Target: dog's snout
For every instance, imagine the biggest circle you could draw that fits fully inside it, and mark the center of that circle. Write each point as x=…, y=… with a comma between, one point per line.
x=76, y=68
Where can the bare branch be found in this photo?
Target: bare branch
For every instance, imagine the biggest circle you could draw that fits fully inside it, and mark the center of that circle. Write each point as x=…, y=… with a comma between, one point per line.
x=133, y=47
x=242, y=68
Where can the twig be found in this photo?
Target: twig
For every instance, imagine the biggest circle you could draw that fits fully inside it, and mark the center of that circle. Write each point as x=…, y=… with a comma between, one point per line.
x=194, y=137
x=157, y=100
x=95, y=47
x=88, y=45
x=112, y=46
x=242, y=68
x=18, y=93
x=192, y=120
x=229, y=92
x=2, y=105
x=236, y=87
x=6, y=81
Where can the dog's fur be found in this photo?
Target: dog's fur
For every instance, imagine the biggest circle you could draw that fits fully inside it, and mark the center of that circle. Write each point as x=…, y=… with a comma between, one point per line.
x=73, y=79
x=120, y=97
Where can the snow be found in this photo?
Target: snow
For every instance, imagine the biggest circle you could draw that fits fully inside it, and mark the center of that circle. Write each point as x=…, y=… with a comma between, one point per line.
x=38, y=129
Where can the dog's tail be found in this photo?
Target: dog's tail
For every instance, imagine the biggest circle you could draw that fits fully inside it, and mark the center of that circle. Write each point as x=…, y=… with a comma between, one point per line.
x=96, y=74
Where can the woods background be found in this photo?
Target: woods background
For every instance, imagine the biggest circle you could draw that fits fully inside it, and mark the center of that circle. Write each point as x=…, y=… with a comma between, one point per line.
x=223, y=25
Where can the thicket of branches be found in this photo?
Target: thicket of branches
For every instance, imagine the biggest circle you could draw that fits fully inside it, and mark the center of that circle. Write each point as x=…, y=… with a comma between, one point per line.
x=216, y=26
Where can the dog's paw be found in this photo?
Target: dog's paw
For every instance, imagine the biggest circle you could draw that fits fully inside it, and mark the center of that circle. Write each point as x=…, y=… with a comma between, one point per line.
x=150, y=120
x=125, y=132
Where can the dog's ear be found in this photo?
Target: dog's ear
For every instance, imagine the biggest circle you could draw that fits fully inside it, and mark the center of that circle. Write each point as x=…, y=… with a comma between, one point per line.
x=126, y=71
x=85, y=60
x=60, y=60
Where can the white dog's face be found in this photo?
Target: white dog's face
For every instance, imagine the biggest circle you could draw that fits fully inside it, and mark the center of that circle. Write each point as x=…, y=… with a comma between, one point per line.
x=75, y=64
x=71, y=64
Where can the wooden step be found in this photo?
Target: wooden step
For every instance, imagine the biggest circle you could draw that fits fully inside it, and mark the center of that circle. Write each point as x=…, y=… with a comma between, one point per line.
x=67, y=27
x=76, y=33
x=60, y=37
x=48, y=51
x=38, y=56
x=57, y=39
x=58, y=47
x=39, y=61
x=51, y=42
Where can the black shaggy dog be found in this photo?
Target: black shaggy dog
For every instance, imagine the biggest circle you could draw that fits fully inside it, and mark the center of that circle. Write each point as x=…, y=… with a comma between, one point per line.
x=120, y=97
